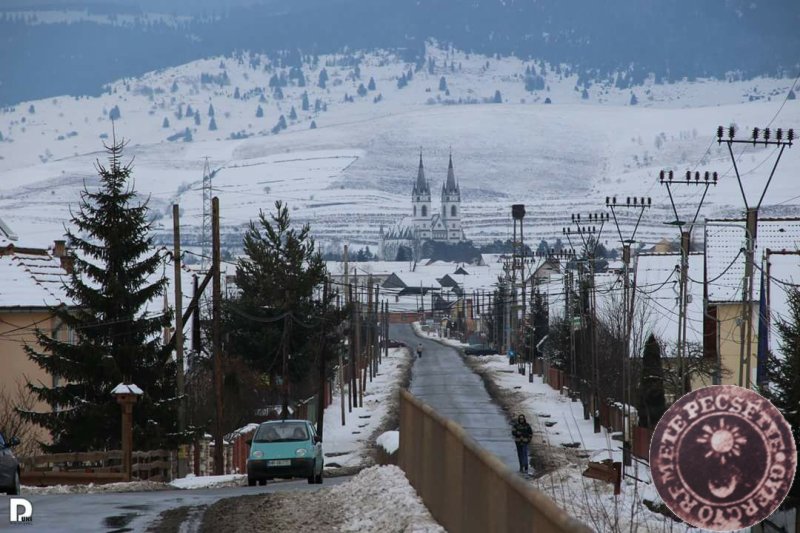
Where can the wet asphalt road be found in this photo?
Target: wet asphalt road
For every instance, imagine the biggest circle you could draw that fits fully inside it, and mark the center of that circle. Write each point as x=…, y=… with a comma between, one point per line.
x=442, y=379
x=132, y=511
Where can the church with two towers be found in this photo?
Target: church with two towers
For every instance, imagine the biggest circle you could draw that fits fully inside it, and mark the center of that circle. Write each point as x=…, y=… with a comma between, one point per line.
x=424, y=224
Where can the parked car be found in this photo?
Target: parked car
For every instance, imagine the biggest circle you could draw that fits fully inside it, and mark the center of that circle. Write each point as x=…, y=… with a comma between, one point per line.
x=285, y=449
x=479, y=349
x=9, y=466
x=393, y=343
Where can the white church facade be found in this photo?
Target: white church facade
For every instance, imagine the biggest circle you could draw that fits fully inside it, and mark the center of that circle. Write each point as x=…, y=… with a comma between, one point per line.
x=424, y=224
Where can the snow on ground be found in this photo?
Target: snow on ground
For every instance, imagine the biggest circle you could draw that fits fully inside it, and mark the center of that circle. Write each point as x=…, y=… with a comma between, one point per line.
x=380, y=498
x=348, y=445
x=203, y=482
x=389, y=441
x=435, y=334
x=91, y=488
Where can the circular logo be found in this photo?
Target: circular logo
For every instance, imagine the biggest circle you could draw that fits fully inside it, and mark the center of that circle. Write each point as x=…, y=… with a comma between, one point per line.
x=722, y=458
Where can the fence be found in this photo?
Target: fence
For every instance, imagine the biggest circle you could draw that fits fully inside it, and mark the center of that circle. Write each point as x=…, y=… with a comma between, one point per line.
x=465, y=487
x=96, y=467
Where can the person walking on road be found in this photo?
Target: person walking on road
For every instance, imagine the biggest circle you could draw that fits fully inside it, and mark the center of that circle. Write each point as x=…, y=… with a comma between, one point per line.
x=419, y=350
x=523, y=434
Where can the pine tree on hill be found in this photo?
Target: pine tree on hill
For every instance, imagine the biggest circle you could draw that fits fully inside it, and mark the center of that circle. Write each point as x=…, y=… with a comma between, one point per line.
x=791, y=95
x=313, y=125
x=237, y=94
x=174, y=88
x=282, y=122
x=187, y=135
x=498, y=98
x=197, y=118
x=165, y=124
x=31, y=109
x=189, y=111
x=652, y=403
x=585, y=94
x=210, y=110
x=212, y=126
x=323, y=78
x=259, y=112
x=278, y=93
x=442, y=84
x=114, y=114
x=371, y=85
x=292, y=114
x=262, y=99
x=304, y=104
x=362, y=91
x=116, y=340
x=634, y=100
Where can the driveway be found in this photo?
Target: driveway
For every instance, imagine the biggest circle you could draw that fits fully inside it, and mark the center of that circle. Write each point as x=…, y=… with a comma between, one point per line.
x=443, y=380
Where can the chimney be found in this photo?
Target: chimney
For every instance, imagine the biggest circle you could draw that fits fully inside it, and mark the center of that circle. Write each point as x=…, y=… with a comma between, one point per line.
x=60, y=248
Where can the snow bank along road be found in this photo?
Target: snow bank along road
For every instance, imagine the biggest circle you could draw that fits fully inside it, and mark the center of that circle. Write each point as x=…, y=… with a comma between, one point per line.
x=132, y=511
x=442, y=379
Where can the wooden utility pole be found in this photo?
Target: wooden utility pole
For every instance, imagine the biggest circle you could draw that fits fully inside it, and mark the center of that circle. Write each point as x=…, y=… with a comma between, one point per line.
x=359, y=384
x=370, y=330
x=183, y=464
x=341, y=360
x=322, y=352
x=351, y=391
x=287, y=324
x=347, y=274
x=216, y=306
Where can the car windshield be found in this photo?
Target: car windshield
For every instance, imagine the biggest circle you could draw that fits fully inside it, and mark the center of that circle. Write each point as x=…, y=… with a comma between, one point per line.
x=281, y=432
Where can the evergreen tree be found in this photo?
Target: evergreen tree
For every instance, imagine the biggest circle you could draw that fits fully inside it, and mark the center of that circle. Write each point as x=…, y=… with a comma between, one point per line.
x=262, y=99
x=278, y=93
x=197, y=118
x=304, y=103
x=280, y=273
x=791, y=95
x=189, y=111
x=371, y=85
x=402, y=81
x=783, y=374
x=187, y=135
x=634, y=100
x=651, y=386
x=174, y=87
x=403, y=253
x=362, y=91
x=442, y=84
x=548, y=101
x=165, y=124
x=292, y=114
x=498, y=98
x=116, y=341
x=212, y=125
x=323, y=78
x=585, y=94
x=317, y=105
x=282, y=122
x=259, y=112
x=313, y=125
x=31, y=109
x=210, y=110
x=236, y=93
x=114, y=114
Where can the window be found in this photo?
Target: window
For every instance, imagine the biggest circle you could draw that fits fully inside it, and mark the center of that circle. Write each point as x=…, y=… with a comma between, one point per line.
x=281, y=432
x=453, y=211
x=424, y=210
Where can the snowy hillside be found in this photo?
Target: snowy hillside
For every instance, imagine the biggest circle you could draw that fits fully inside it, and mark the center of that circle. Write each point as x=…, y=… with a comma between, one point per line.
x=355, y=170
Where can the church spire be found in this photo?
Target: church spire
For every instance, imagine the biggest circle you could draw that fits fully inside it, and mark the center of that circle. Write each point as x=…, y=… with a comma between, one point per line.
x=421, y=187
x=451, y=185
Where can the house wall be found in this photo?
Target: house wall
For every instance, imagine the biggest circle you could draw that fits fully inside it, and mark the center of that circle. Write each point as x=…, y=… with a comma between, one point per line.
x=729, y=332
x=16, y=329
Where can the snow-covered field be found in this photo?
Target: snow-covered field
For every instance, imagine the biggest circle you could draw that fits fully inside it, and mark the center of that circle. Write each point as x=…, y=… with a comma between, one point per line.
x=354, y=172
x=349, y=445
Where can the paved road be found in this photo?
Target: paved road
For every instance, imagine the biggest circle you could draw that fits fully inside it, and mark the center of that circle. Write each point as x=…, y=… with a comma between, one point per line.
x=443, y=381
x=131, y=511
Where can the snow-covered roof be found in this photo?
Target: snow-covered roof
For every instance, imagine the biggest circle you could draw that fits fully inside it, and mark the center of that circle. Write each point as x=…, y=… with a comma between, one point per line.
x=127, y=388
x=32, y=280
x=725, y=241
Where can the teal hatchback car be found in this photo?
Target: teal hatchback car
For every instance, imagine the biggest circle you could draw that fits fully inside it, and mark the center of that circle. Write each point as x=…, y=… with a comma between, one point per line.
x=285, y=449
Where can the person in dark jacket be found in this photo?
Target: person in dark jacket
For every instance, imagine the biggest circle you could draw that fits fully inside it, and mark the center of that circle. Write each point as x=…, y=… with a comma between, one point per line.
x=522, y=434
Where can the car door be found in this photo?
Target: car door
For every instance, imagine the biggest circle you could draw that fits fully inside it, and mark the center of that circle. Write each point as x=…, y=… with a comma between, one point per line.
x=5, y=463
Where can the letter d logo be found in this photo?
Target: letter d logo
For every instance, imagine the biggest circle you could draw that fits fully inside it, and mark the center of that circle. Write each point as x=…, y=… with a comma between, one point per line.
x=14, y=505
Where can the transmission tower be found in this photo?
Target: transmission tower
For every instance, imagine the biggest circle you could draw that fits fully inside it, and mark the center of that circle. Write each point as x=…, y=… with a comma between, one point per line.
x=205, y=242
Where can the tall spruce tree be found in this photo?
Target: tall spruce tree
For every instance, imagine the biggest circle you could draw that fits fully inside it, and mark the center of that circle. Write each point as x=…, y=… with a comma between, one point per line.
x=783, y=374
x=116, y=340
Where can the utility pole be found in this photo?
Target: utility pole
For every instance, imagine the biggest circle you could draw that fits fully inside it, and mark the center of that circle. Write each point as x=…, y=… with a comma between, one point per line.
x=668, y=179
x=346, y=274
x=359, y=384
x=637, y=205
x=590, y=234
x=759, y=137
x=370, y=329
x=216, y=307
x=341, y=364
x=518, y=265
x=183, y=463
x=351, y=395
x=322, y=349
x=207, y=214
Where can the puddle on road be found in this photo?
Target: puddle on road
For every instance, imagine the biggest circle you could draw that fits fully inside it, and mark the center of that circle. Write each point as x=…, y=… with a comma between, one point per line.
x=116, y=524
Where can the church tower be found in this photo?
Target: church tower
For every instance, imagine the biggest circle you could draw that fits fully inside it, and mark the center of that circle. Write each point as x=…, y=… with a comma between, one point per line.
x=421, y=202
x=451, y=206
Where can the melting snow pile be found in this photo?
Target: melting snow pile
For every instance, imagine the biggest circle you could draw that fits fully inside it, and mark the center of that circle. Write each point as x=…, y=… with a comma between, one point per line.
x=389, y=441
x=380, y=498
x=198, y=482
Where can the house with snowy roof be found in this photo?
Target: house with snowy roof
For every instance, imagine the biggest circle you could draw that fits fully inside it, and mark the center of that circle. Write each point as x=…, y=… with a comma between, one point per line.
x=776, y=269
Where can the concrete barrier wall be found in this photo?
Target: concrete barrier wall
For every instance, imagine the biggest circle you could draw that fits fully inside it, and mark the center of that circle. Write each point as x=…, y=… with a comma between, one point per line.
x=466, y=488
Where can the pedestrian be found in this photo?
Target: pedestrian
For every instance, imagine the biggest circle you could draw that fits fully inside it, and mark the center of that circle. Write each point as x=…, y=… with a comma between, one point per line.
x=522, y=434
x=419, y=350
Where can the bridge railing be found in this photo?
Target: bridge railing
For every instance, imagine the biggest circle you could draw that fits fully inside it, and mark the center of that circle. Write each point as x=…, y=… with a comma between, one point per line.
x=465, y=487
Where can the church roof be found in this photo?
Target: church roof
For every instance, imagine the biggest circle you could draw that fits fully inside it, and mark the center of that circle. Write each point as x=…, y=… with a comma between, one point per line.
x=450, y=185
x=421, y=186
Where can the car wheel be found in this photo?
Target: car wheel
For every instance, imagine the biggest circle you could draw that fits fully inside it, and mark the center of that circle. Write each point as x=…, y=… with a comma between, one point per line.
x=251, y=482
x=318, y=478
x=15, y=487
